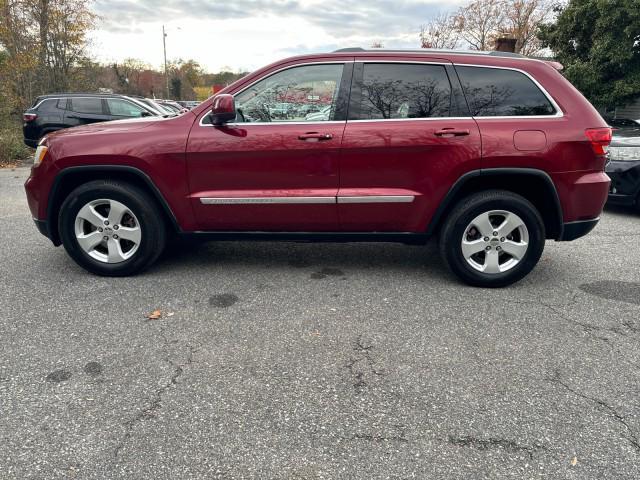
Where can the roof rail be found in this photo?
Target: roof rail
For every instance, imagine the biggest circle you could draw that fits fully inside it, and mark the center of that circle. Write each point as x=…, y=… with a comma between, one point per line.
x=492, y=53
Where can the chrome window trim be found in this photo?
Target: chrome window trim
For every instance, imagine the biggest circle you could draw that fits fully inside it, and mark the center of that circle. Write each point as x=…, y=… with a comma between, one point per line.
x=306, y=200
x=336, y=62
x=559, y=113
x=420, y=119
x=105, y=97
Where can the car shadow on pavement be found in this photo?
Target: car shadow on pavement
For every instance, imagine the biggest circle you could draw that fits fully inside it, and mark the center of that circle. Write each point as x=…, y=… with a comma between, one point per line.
x=416, y=259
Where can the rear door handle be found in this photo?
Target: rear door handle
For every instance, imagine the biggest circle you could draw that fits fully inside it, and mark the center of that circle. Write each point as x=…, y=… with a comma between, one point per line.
x=451, y=132
x=315, y=136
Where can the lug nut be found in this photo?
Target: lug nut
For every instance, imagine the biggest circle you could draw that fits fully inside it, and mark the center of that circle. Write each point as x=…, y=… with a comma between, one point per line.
x=498, y=248
x=115, y=227
x=502, y=239
x=105, y=238
x=486, y=239
x=495, y=234
x=100, y=229
x=106, y=222
x=115, y=237
x=488, y=248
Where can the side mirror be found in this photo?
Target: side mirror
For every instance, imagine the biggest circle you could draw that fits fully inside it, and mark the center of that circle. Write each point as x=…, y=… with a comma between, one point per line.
x=223, y=109
x=145, y=114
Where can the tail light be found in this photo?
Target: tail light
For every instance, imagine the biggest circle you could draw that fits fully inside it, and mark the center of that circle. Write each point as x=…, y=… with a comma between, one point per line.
x=600, y=139
x=29, y=117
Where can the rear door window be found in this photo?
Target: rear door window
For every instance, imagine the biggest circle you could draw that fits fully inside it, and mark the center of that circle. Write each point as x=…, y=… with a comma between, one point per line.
x=396, y=91
x=495, y=92
x=87, y=105
x=123, y=108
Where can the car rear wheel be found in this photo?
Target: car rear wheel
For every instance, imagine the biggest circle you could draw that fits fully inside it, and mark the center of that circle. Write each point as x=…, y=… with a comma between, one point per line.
x=492, y=238
x=111, y=228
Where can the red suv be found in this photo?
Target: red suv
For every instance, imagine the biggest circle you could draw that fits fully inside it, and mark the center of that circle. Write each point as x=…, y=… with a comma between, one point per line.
x=493, y=152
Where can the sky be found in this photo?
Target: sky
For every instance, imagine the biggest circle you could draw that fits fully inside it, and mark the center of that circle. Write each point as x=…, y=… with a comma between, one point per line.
x=243, y=35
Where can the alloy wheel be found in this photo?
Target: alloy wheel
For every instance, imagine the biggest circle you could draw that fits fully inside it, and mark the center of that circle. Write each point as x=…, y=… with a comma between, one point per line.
x=495, y=241
x=108, y=231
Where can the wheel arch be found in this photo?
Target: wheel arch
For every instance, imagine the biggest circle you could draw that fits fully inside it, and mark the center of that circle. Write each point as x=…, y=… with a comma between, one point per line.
x=533, y=184
x=71, y=177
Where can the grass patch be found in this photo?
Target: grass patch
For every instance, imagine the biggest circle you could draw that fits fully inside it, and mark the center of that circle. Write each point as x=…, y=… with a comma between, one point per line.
x=13, y=151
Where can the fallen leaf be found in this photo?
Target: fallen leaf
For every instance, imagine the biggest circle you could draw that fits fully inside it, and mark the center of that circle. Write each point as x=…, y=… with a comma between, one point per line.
x=156, y=314
x=171, y=314
x=574, y=461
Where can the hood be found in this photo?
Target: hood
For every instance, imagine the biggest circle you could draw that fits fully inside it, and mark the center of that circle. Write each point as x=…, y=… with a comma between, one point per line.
x=114, y=126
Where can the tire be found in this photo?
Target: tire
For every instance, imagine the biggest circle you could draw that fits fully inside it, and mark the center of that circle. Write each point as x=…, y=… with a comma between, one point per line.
x=480, y=258
x=123, y=249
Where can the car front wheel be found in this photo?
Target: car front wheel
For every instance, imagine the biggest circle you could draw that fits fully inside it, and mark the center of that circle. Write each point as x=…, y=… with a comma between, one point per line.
x=111, y=228
x=492, y=238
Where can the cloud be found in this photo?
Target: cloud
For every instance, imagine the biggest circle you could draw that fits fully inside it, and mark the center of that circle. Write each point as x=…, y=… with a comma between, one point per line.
x=377, y=18
x=246, y=34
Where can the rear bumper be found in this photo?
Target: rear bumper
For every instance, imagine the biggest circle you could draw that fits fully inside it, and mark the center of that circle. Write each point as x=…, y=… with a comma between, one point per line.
x=573, y=230
x=582, y=194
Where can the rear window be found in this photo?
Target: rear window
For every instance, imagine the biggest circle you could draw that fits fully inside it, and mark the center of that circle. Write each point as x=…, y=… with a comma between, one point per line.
x=391, y=90
x=87, y=105
x=494, y=92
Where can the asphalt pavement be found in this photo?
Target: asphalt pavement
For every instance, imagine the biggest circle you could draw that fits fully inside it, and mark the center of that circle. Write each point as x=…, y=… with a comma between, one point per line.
x=318, y=361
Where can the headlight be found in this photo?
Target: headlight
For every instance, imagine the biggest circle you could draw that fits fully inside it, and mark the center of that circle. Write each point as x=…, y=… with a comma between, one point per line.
x=624, y=153
x=40, y=153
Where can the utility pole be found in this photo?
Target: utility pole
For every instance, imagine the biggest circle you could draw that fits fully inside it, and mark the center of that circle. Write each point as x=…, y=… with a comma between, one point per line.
x=166, y=74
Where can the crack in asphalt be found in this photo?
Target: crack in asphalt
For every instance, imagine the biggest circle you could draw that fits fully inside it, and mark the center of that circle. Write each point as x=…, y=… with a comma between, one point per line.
x=601, y=404
x=156, y=399
x=362, y=364
x=378, y=438
x=484, y=444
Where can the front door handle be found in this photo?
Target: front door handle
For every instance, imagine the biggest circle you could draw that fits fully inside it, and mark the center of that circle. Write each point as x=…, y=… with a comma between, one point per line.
x=451, y=132
x=315, y=136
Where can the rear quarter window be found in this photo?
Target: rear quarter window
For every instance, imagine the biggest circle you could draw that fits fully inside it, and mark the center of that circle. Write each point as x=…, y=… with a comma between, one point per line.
x=492, y=92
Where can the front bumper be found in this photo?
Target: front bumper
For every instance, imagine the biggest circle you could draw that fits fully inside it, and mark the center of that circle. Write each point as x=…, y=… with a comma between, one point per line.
x=625, y=182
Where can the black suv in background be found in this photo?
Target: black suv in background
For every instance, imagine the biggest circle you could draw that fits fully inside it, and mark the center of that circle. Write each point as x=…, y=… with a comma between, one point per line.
x=57, y=111
x=624, y=167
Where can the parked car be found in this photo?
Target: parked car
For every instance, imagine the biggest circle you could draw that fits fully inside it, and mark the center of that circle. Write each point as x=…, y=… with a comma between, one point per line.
x=155, y=106
x=175, y=106
x=624, y=167
x=190, y=104
x=494, y=153
x=623, y=122
x=63, y=110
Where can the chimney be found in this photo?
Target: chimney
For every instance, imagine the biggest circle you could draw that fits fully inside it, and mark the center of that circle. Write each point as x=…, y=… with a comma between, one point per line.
x=505, y=44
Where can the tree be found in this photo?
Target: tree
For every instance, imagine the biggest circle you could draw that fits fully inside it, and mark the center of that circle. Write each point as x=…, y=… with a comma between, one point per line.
x=599, y=47
x=44, y=40
x=128, y=74
x=440, y=32
x=479, y=22
x=522, y=21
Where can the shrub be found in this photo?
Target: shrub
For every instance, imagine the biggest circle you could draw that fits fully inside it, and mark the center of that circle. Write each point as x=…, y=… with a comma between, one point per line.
x=12, y=149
